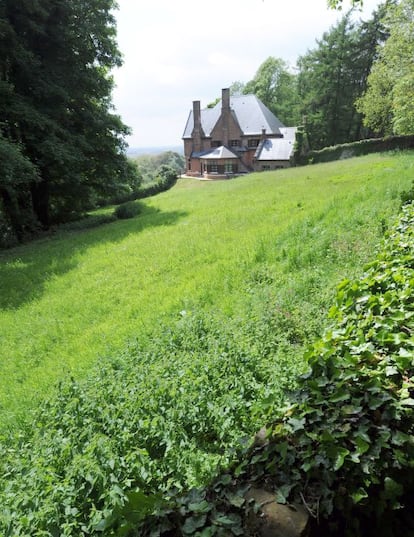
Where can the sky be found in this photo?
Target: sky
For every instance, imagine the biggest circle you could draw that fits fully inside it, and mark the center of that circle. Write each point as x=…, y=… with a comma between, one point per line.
x=177, y=52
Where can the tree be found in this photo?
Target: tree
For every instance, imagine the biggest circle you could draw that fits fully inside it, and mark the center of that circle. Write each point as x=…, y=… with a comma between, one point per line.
x=276, y=87
x=55, y=88
x=337, y=4
x=388, y=103
x=333, y=76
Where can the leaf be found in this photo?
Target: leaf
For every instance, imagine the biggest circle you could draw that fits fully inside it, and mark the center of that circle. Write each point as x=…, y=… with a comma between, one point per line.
x=359, y=495
x=362, y=445
x=392, y=489
x=193, y=523
x=407, y=402
x=338, y=456
x=282, y=493
x=296, y=423
x=235, y=499
x=200, y=507
x=227, y=520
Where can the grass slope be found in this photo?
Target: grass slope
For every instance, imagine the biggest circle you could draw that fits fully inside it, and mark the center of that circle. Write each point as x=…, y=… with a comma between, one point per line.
x=71, y=299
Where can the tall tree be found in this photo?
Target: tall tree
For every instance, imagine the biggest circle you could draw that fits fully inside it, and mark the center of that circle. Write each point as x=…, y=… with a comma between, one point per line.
x=333, y=76
x=276, y=87
x=388, y=104
x=55, y=101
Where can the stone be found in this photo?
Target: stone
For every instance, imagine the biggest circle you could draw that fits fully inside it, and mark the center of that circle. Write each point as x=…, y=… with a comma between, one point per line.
x=274, y=519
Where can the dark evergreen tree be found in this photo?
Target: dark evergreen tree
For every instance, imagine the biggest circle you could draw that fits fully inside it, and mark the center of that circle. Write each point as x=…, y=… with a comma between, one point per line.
x=333, y=76
x=55, y=103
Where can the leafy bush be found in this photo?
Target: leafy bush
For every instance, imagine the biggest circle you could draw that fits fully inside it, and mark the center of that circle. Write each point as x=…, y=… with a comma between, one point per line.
x=126, y=210
x=149, y=165
x=162, y=416
x=165, y=178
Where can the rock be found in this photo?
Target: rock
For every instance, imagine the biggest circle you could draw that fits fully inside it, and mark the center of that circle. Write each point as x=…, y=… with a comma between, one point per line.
x=274, y=519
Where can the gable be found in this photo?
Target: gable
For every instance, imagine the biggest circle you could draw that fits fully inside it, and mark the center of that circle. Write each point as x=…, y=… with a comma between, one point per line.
x=250, y=114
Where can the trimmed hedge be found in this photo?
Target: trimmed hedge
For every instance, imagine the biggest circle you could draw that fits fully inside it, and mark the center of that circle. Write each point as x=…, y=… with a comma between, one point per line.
x=355, y=149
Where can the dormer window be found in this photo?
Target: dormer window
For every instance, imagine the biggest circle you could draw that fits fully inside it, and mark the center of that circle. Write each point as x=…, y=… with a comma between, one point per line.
x=254, y=142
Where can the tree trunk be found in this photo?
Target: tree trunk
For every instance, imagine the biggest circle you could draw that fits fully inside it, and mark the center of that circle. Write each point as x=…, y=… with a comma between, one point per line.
x=40, y=202
x=11, y=210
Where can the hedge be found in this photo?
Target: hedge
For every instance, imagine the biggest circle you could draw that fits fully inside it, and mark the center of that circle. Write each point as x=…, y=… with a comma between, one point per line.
x=354, y=149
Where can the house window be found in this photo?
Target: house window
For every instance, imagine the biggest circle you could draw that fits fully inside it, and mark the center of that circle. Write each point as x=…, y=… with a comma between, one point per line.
x=253, y=143
x=265, y=167
x=228, y=167
x=212, y=167
x=234, y=143
x=216, y=143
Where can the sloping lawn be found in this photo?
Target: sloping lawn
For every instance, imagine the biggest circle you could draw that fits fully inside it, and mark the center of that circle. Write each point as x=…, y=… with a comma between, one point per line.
x=283, y=238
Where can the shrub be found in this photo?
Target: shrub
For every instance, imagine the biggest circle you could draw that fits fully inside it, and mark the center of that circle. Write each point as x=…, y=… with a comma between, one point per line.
x=355, y=149
x=126, y=210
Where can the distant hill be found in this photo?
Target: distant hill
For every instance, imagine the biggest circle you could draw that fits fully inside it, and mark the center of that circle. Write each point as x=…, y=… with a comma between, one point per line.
x=135, y=151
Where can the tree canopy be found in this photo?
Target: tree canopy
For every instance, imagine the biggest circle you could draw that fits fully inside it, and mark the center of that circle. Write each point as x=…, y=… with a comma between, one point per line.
x=60, y=143
x=275, y=86
x=333, y=75
x=388, y=103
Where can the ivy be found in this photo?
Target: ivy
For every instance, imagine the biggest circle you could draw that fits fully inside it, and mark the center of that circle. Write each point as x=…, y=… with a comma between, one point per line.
x=345, y=447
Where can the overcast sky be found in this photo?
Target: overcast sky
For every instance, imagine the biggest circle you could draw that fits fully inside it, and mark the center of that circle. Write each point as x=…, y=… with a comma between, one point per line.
x=179, y=51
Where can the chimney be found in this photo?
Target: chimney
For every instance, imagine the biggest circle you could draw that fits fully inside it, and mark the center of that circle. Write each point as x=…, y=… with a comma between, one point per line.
x=196, y=134
x=225, y=115
x=225, y=99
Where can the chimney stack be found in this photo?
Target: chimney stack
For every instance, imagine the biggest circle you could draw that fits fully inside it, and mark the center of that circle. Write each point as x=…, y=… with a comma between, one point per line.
x=196, y=134
x=225, y=115
x=225, y=99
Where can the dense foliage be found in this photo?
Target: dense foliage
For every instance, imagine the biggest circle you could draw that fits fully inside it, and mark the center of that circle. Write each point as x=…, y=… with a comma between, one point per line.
x=333, y=75
x=344, y=448
x=61, y=146
x=321, y=94
x=387, y=104
x=276, y=87
x=149, y=165
x=161, y=416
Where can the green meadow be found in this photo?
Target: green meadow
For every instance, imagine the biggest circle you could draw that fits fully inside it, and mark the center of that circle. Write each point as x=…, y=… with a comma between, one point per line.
x=278, y=241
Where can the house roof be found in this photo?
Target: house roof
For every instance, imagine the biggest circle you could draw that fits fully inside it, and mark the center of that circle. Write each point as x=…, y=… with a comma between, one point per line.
x=252, y=115
x=219, y=153
x=277, y=148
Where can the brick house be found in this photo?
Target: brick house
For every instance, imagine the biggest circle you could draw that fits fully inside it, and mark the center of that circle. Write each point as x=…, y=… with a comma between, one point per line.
x=238, y=135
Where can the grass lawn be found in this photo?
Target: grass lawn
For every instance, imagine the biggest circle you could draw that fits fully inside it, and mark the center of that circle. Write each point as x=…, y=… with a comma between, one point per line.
x=71, y=299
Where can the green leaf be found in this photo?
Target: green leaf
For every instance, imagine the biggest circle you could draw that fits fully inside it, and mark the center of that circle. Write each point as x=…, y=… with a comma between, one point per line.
x=362, y=445
x=201, y=507
x=193, y=523
x=359, y=495
x=297, y=424
x=338, y=455
x=392, y=489
x=282, y=493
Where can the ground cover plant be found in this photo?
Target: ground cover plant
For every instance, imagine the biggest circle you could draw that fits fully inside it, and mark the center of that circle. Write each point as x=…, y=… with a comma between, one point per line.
x=221, y=295
x=344, y=447
x=177, y=403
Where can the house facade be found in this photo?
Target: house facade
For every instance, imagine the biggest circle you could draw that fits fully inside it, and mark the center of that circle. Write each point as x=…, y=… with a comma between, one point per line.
x=238, y=135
